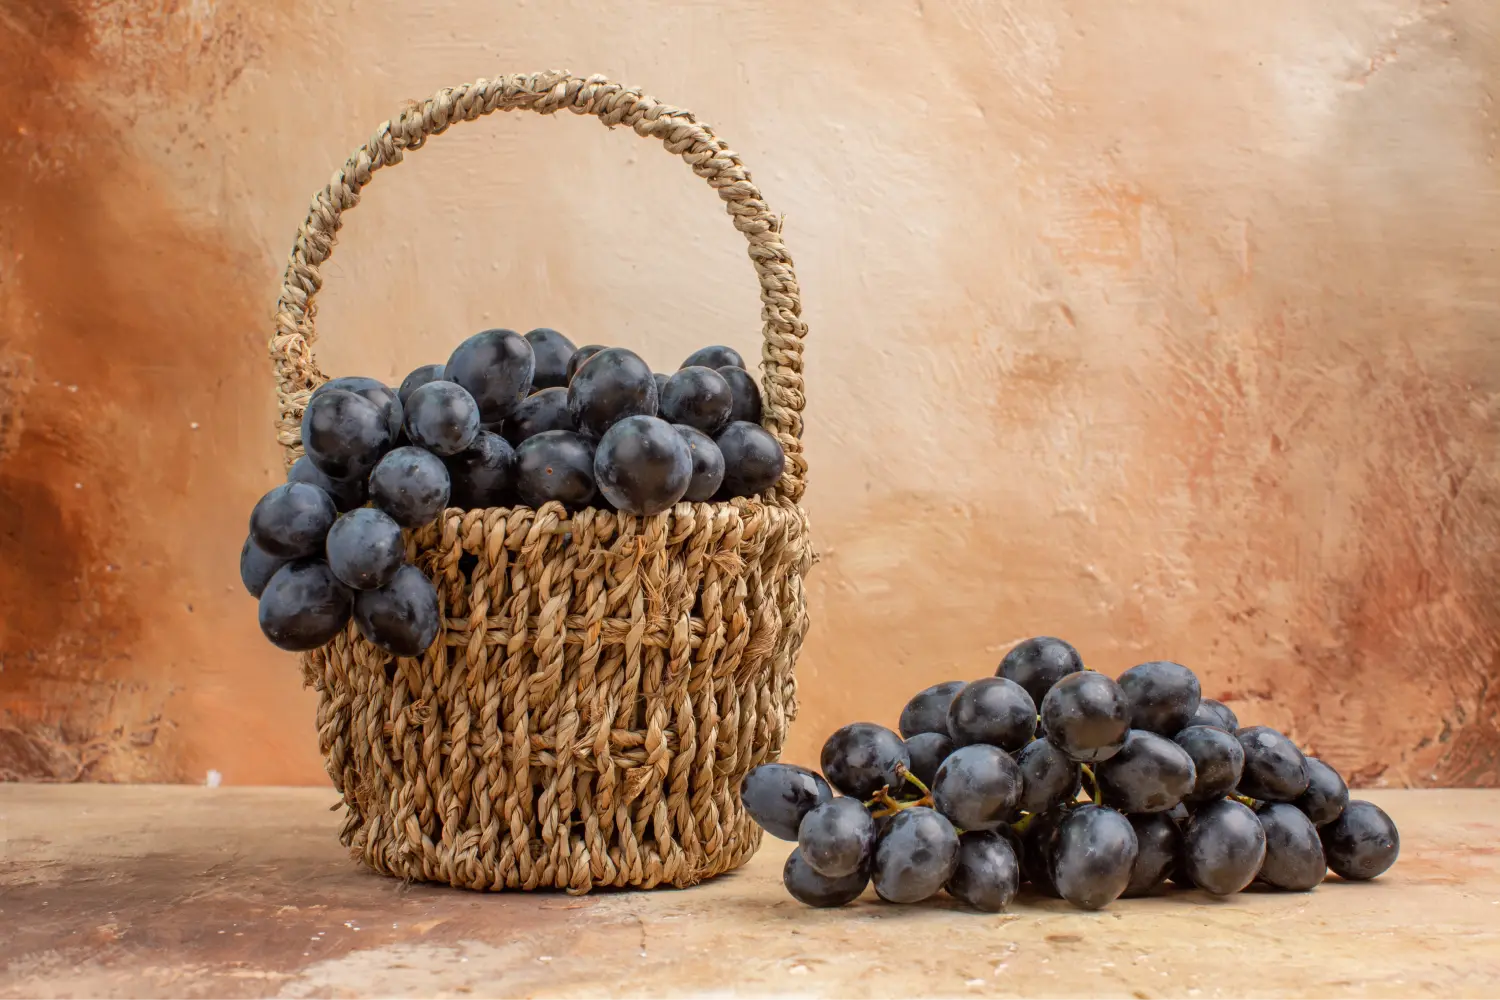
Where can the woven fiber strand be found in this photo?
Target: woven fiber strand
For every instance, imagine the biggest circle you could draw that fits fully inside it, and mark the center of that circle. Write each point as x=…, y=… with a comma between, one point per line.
x=601, y=682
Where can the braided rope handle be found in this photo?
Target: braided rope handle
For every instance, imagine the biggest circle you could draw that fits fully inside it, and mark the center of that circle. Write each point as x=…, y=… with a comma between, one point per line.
x=297, y=373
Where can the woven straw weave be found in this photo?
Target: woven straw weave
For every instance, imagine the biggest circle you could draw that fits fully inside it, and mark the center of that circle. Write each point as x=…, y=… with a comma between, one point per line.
x=602, y=682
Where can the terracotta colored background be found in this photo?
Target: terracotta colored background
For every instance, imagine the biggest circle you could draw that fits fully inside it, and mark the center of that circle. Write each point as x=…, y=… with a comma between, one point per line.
x=1167, y=327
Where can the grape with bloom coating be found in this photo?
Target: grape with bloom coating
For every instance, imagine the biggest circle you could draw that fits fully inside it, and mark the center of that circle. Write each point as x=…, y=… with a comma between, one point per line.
x=708, y=464
x=545, y=410
x=1326, y=794
x=496, y=367
x=303, y=606
x=1049, y=777
x=552, y=352
x=977, y=787
x=482, y=475
x=987, y=874
x=1294, y=854
x=401, y=617
x=777, y=796
x=1218, y=760
x=556, y=465
x=613, y=385
x=927, y=711
x=411, y=484
x=442, y=417
x=418, y=378
x=717, y=356
x=992, y=710
x=862, y=758
x=806, y=886
x=1158, y=846
x=838, y=838
x=917, y=855
x=291, y=521
x=1092, y=856
x=1163, y=696
x=928, y=751
x=347, y=493
x=1275, y=770
x=377, y=392
x=365, y=549
x=1038, y=663
x=257, y=566
x=1150, y=774
x=344, y=434
x=642, y=466
x=1362, y=843
x=1223, y=847
x=1086, y=716
x=1216, y=715
x=745, y=400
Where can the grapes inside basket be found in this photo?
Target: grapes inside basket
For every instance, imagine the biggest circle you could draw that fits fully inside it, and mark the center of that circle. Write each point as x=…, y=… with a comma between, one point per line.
x=509, y=419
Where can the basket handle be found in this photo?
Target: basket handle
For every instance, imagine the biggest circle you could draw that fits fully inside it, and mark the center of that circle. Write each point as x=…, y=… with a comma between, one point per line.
x=297, y=373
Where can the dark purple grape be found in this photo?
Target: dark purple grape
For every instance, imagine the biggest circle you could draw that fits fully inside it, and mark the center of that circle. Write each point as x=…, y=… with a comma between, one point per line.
x=442, y=417
x=1158, y=850
x=927, y=751
x=347, y=493
x=1275, y=770
x=1092, y=856
x=1223, y=847
x=496, y=367
x=978, y=787
x=365, y=549
x=552, y=352
x=642, y=466
x=806, y=886
x=615, y=384
x=1163, y=696
x=372, y=389
x=1362, y=843
x=1216, y=715
x=1326, y=794
x=401, y=617
x=1149, y=774
x=303, y=606
x=753, y=460
x=916, y=856
x=661, y=385
x=418, y=378
x=713, y=357
x=697, y=397
x=927, y=712
x=344, y=434
x=411, y=485
x=838, y=838
x=292, y=520
x=778, y=796
x=988, y=872
x=1037, y=842
x=1218, y=760
x=581, y=355
x=744, y=393
x=257, y=567
x=556, y=465
x=708, y=464
x=1294, y=854
x=992, y=710
x=1049, y=777
x=1086, y=716
x=862, y=758
x=1037, y=664
x=484, y=474
x=546, y=410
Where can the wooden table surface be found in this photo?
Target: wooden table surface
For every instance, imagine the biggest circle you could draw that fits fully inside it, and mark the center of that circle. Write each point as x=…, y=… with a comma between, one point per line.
x=183, y=891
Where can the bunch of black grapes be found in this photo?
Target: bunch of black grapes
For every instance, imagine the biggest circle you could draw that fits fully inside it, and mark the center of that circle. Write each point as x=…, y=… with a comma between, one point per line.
x=1114, y=788
x=508, y=420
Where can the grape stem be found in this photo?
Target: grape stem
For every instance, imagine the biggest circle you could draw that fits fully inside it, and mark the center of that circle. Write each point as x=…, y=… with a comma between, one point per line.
x=1244, y=800
x=1020, y=825
x=901, y=770
x=891, y=806
x=1088, y=772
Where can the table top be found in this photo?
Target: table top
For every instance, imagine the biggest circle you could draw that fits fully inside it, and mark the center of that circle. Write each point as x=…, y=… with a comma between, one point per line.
x=110, y=890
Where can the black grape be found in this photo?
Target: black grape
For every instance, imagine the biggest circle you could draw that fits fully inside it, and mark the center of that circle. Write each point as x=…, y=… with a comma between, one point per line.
x=1275, y=770
x=862, y=758
x=1092, y=856
x=778, y=796
x=753, y=460
x=708, y=464
x=1163, y=696
x=442, y=417
x=1294, y=854
x=992, y=710
x=257, y=567
x=1326, y=794
x=1216, y=715
x=375, y=391
x=1037, y=843
x=1149, y=774
x=1037, y=664
x=411, y=484
x=661, y=385
x=1223, y=847
x=344, y=434
x=1049, y=777
x=977, y=787
x=1362, y=843
x=1086, y=716
x=927, y=751
x=745, y=403
x=580, y=356
x=552, y=352
x=303, y=606
x=807, y=886
x=556, y=465
x=698, y=397
x=927, y=712
x=483, y=475
x=987, y=874
x=917, y=855
x=496, y=368
x=1218, y=760
x=365, y=549
x=292, y=520
x=418, y=378
x=401, y=617
x=642, y=466
x=347, y=493
x=717, y=356
x=545, y=410
x=838, y=838
x=1159, y=847
x=615, y=384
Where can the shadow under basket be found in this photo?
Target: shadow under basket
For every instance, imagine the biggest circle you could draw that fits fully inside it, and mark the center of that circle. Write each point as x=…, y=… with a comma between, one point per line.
x=601, y=682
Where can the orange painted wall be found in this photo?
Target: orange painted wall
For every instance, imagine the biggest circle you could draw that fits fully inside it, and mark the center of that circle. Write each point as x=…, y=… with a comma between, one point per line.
x=1166, y=327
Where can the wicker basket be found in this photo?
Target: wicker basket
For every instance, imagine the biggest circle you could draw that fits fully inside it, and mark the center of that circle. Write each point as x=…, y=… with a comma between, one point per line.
x=601, y=682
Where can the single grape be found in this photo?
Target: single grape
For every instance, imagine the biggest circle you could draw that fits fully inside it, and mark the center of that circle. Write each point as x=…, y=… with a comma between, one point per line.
x=1038, y=841
x=375, y=391
x=927, y=751
x=483, y=475
x=344, y=434
x=1326, y=794
x=753, y=460
x=713, y=357
x=1150, y=774
x=1294, y=854
x=927, y=712
x=916, y=856
x=292, y=520
x=1275, y=770
x=1086, y=716
x=411, y=484
x=642, y=466
x=1037, y=664
x=988, y=872
x=838, y=838
x=1092, y=856
x=347, y=493
x=418, y=378
x=977, y=787
x=1215, y=715
x=862, y=758
x=257, y=566
x=708, y=464
x=615, y=384
x=545, y=410
x=992, y=710
x=744, y=393
x=807, y=886
x=365, y=549
x=1163, y=696
x=552, y=352
x=1362, y=843
x=1223, y=847
x=556, y=465
x=579, y=357
x=661, y=385
x=697, y=397
x=1049, y=777
x=495, y=367
x=1159, y=846
x=1218, y=760
x=778, y=796
x=442, y=417
x=402, y=617
x=303, y=606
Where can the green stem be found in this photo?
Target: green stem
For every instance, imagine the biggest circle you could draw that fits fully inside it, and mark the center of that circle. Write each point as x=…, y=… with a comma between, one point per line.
x=1088, y=773
x=1244, y=800
x=1025, y=821
x=914, y=780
